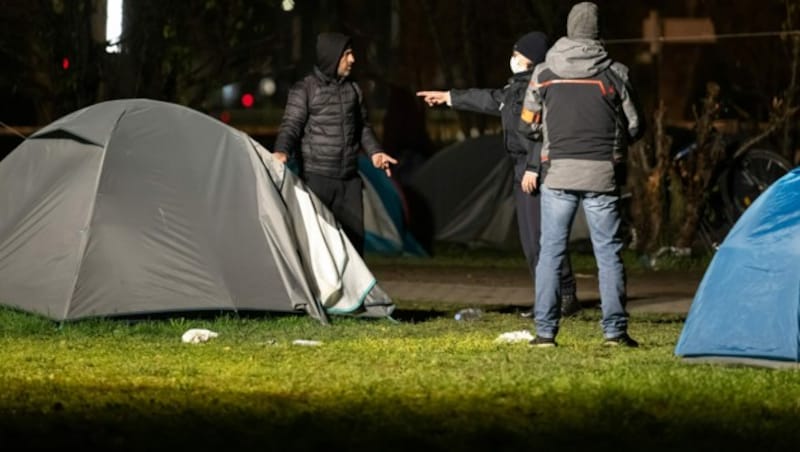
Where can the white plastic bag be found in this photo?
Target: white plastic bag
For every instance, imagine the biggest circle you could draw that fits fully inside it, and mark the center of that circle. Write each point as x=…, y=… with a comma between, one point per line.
x=306, y=342
x=515, y=336
x=198, y=335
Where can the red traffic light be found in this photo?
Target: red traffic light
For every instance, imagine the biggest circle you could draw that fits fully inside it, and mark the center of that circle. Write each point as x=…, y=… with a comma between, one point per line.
x=65, y=63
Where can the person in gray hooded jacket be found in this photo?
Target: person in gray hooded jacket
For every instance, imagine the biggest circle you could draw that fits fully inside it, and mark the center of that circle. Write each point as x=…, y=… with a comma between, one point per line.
x=325, y=116
x=582, y=104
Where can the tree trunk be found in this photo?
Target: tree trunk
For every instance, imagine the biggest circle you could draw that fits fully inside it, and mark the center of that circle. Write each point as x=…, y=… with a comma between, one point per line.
x=647, y=187
x=697, y=169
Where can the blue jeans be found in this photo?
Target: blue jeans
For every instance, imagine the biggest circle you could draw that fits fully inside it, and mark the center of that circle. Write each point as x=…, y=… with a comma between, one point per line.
x=603, y=218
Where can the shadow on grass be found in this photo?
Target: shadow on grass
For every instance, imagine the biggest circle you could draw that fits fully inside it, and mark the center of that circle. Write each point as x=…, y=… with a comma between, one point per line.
x=210, y=315
x=270, y=422
x=411, y=315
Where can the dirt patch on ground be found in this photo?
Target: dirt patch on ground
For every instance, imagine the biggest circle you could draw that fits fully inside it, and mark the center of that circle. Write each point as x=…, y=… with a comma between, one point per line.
x=640, y=283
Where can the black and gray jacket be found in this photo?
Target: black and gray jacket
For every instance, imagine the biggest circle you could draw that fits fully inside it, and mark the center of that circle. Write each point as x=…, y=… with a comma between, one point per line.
x=326, y=116
x=505, y=102
x=584, y=106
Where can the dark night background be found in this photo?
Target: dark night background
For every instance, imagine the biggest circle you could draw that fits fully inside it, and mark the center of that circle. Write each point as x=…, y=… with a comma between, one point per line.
x=187, y=51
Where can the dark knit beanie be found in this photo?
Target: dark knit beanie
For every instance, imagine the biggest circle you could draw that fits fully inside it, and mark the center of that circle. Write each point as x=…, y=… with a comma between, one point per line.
x=583, y=21
x=533, y=46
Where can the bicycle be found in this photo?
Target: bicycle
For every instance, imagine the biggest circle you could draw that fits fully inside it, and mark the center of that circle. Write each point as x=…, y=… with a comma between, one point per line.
x=739, y=178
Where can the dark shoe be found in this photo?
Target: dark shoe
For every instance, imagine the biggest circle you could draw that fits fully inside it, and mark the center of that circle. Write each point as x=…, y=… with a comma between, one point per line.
x=570, y=305
x=621, y=341
x=543, y=342
x=527, y=314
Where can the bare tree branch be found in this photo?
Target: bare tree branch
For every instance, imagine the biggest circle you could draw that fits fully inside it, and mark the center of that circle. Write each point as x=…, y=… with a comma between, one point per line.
x=771, y=128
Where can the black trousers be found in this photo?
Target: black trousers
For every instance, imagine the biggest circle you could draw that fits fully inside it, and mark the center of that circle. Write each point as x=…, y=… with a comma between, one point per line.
x=343, y=198
x=529, y=220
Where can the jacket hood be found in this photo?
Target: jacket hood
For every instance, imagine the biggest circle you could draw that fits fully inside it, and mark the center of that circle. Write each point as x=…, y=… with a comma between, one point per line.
x=583, y=21
x=577, y=58
x=330, y=47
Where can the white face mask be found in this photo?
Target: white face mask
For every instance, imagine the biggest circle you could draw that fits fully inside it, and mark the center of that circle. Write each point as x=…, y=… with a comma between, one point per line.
x=517, y=65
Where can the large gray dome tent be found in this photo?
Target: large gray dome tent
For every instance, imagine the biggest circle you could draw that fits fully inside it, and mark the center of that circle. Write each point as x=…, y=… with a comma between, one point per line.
x=138, y=206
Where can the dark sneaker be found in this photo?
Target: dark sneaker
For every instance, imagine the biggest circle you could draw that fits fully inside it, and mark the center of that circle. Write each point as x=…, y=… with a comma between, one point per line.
x=543, y=342
x=621, y=341
x=570, y=305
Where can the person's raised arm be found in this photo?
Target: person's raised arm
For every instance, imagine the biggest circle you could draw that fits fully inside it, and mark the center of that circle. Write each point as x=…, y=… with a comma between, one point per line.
x=433, y=98
x=487, y=101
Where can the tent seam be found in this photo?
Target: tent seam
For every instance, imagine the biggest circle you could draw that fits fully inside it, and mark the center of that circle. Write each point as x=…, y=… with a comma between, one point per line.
x=313, y=300
x=90, y=217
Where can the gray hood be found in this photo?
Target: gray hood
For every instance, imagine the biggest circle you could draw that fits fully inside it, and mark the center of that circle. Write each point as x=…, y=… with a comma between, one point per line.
x=577, y=58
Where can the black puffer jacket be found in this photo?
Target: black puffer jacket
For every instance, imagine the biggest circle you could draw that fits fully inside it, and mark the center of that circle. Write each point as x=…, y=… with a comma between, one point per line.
x=325, y=114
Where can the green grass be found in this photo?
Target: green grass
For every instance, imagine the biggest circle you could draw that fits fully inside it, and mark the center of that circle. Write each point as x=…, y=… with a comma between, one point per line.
x=426, y=382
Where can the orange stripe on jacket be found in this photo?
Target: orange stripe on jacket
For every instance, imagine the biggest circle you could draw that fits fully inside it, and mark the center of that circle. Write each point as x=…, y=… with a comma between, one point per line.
x=599, y=83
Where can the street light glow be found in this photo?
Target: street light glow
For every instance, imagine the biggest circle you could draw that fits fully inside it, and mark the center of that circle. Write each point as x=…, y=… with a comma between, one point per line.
x=267, y=86
x=113, y=25
x=287, y=5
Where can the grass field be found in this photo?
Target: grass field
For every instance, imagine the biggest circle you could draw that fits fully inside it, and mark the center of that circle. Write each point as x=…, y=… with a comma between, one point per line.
x=425, y=382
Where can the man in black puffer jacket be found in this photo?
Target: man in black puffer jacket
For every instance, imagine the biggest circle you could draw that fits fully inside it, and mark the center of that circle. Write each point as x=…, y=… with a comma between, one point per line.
x=326, y=117
x=506, y=102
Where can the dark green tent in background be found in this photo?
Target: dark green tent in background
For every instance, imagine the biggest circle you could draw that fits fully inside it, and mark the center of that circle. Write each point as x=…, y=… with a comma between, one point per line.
x=465, y=192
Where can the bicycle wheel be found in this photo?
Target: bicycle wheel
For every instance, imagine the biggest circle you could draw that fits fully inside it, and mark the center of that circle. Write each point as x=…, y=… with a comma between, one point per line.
x=750, y=175
x=716, y=219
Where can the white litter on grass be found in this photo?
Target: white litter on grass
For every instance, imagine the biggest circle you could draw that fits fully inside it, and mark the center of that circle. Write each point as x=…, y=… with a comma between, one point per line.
x=515, y=336
x=198, y=335
x=306, y=343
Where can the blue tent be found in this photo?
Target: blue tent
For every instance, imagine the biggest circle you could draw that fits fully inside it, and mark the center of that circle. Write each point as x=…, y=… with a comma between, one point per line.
x=747, y=307
x=385, y=217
